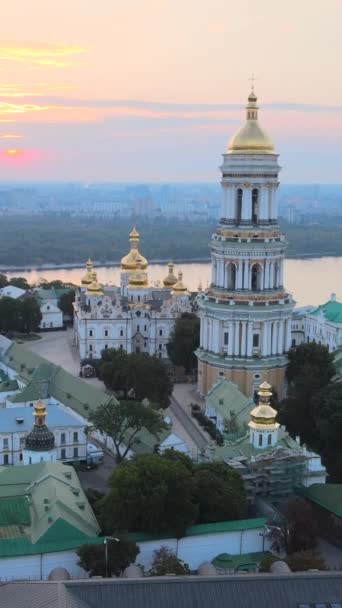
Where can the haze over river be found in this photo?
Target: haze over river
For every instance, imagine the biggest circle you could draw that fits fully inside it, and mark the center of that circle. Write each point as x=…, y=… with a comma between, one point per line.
x=311, y=281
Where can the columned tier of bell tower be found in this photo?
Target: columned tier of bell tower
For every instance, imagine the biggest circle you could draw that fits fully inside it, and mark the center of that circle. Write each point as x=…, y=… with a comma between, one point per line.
x=246, y=311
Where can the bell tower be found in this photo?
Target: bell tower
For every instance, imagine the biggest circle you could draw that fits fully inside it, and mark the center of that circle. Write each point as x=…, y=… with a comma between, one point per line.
x=246, y=311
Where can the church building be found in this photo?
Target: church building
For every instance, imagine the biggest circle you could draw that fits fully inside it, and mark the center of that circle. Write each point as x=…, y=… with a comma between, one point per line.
x=246, y=311
x=136, y=317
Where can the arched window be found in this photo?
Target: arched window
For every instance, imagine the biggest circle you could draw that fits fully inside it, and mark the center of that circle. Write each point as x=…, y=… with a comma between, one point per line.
x=260, y=440
x=231, y=275
x=255, y=205
x=256, y=277
x=238, y=210
x=269, y=439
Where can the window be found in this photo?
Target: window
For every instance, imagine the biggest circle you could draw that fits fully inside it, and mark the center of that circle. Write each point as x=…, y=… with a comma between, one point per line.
x=90, y=332
x=255, y=205
x=5, y=443
x=106, y=333
x=145, y=327
x=231, y=276
x=106, y=346
x=293, y=343
x=160, y=332
x=121, y=346
x=75, y=453
x=48, y=307
x=90, y=347
x=138, y=298
x=269, y=439
x=6, y=459
x=62, y=438
x=75, y=437
x=160, y=347
x=51, y=324
x=225, y=338
x=22, y=442
x=138, y=327
x=30, y=460
x=20, y=456
x=238, y=211
x=121, y=332
x=260, y=440
x=255, y=340
x=63, y=454
x=145, y=344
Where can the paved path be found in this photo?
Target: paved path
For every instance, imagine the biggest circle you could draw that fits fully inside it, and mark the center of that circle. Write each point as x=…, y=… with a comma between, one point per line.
x=188, y=424
x=97, y=479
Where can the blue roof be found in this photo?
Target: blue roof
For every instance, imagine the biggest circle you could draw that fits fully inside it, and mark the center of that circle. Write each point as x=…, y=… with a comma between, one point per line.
x=55, y=417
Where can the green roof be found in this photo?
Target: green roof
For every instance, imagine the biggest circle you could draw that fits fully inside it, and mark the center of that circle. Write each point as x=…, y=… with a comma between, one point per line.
x=226, y=398
x=8, y=385
x=48, y=499
x=328, y=496
x=331, y=310
x=14, y=511
x=236, y=525
x=243, y=447
x=233, y=562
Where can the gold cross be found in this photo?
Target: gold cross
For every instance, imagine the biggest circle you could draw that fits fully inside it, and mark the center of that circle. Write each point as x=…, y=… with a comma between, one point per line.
x=252, y=79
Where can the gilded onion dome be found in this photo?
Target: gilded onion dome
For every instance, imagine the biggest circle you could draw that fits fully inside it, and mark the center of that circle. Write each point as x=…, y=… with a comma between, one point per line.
x=87, y=278
x=170, y=280
x=179, y=289
x=251, y=138
x=138, y=279
x=40, y=439
x=263, y=416
x=129, y=261
x=94, y=289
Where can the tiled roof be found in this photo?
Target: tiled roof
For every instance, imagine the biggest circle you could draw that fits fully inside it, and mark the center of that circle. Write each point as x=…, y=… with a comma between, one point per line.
x=308, y=590
x=228, y=400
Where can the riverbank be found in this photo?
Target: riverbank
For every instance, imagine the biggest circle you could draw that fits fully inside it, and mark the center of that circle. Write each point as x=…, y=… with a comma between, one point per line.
x=116, y=263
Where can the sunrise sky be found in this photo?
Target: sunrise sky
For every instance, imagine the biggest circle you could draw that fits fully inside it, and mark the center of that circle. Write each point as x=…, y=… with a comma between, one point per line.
x=151, y=90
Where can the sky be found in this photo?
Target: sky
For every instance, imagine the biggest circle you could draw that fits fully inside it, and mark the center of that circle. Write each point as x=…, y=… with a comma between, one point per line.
x=152, y=90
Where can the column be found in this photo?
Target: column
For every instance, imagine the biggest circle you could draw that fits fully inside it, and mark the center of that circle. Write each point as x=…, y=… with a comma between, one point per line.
x=265, y=331
x=216, y=346
x=249, y=339
x=243, y=338
x=246, y=275
x=269, y=339
x=263, y=193
x=230, y=338
x=281, y=337
x=213, y=271
x=281, y=274
x=275, y=338
x=277, y=274
x=288, y=335
x=230, y=203
x=267, y=274
x=270, y=279
x=239, y=275
x=236, y=339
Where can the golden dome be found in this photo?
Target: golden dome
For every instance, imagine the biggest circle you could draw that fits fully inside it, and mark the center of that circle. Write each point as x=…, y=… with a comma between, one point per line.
x=170, y=280
x=129, y=261
x=138, y=278
x=251, y=138
x=94, y=289
x=87, y=278
x=263, y=416
x=39, y=408
x=179, y=289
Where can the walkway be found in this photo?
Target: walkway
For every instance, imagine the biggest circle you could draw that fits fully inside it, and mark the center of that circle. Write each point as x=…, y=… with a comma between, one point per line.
x=183, y=395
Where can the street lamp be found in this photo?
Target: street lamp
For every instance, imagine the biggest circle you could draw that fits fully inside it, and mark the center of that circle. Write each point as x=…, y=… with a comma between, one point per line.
x=105, y=542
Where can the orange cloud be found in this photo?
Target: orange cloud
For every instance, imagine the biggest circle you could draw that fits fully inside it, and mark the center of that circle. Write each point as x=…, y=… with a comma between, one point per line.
x=49, y=55
x=12, y=108
x=10, y=136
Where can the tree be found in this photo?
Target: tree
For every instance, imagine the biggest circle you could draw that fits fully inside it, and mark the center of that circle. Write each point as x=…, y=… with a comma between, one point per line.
x=301, y=527
x=305, y=560
x=9, y=314
x=123, y=422
x=3, y=280
x=166, y=562
x=66, y=301
x=120, y=555
x=30, y=315
x=19, y=282
x=151, y=493
x=309, y=369
x=327, y=413
x=184, y=340
x=147, y=376
x=219, y=492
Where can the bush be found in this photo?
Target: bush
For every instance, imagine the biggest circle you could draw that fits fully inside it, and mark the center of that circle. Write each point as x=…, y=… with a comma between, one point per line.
x=305, y=560
x=166, y=562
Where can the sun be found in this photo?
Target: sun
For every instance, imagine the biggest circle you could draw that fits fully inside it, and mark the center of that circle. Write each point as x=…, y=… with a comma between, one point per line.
x=12, y=152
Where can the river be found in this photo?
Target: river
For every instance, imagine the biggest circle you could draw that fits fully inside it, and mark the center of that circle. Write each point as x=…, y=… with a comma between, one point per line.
x=311, y=281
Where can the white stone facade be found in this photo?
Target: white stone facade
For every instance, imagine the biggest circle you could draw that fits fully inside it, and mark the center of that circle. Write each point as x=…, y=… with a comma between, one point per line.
x=322, y=324
x=52, y=316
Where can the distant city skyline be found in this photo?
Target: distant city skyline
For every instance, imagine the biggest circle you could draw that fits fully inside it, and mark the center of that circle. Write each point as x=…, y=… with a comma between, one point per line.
x=151, y=90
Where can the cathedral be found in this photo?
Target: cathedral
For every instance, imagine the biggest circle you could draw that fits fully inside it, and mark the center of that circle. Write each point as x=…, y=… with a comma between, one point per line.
x=246, y=311
x=135, y=316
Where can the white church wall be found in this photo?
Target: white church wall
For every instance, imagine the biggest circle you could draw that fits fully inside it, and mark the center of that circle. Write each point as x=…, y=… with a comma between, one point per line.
x=38, y=567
